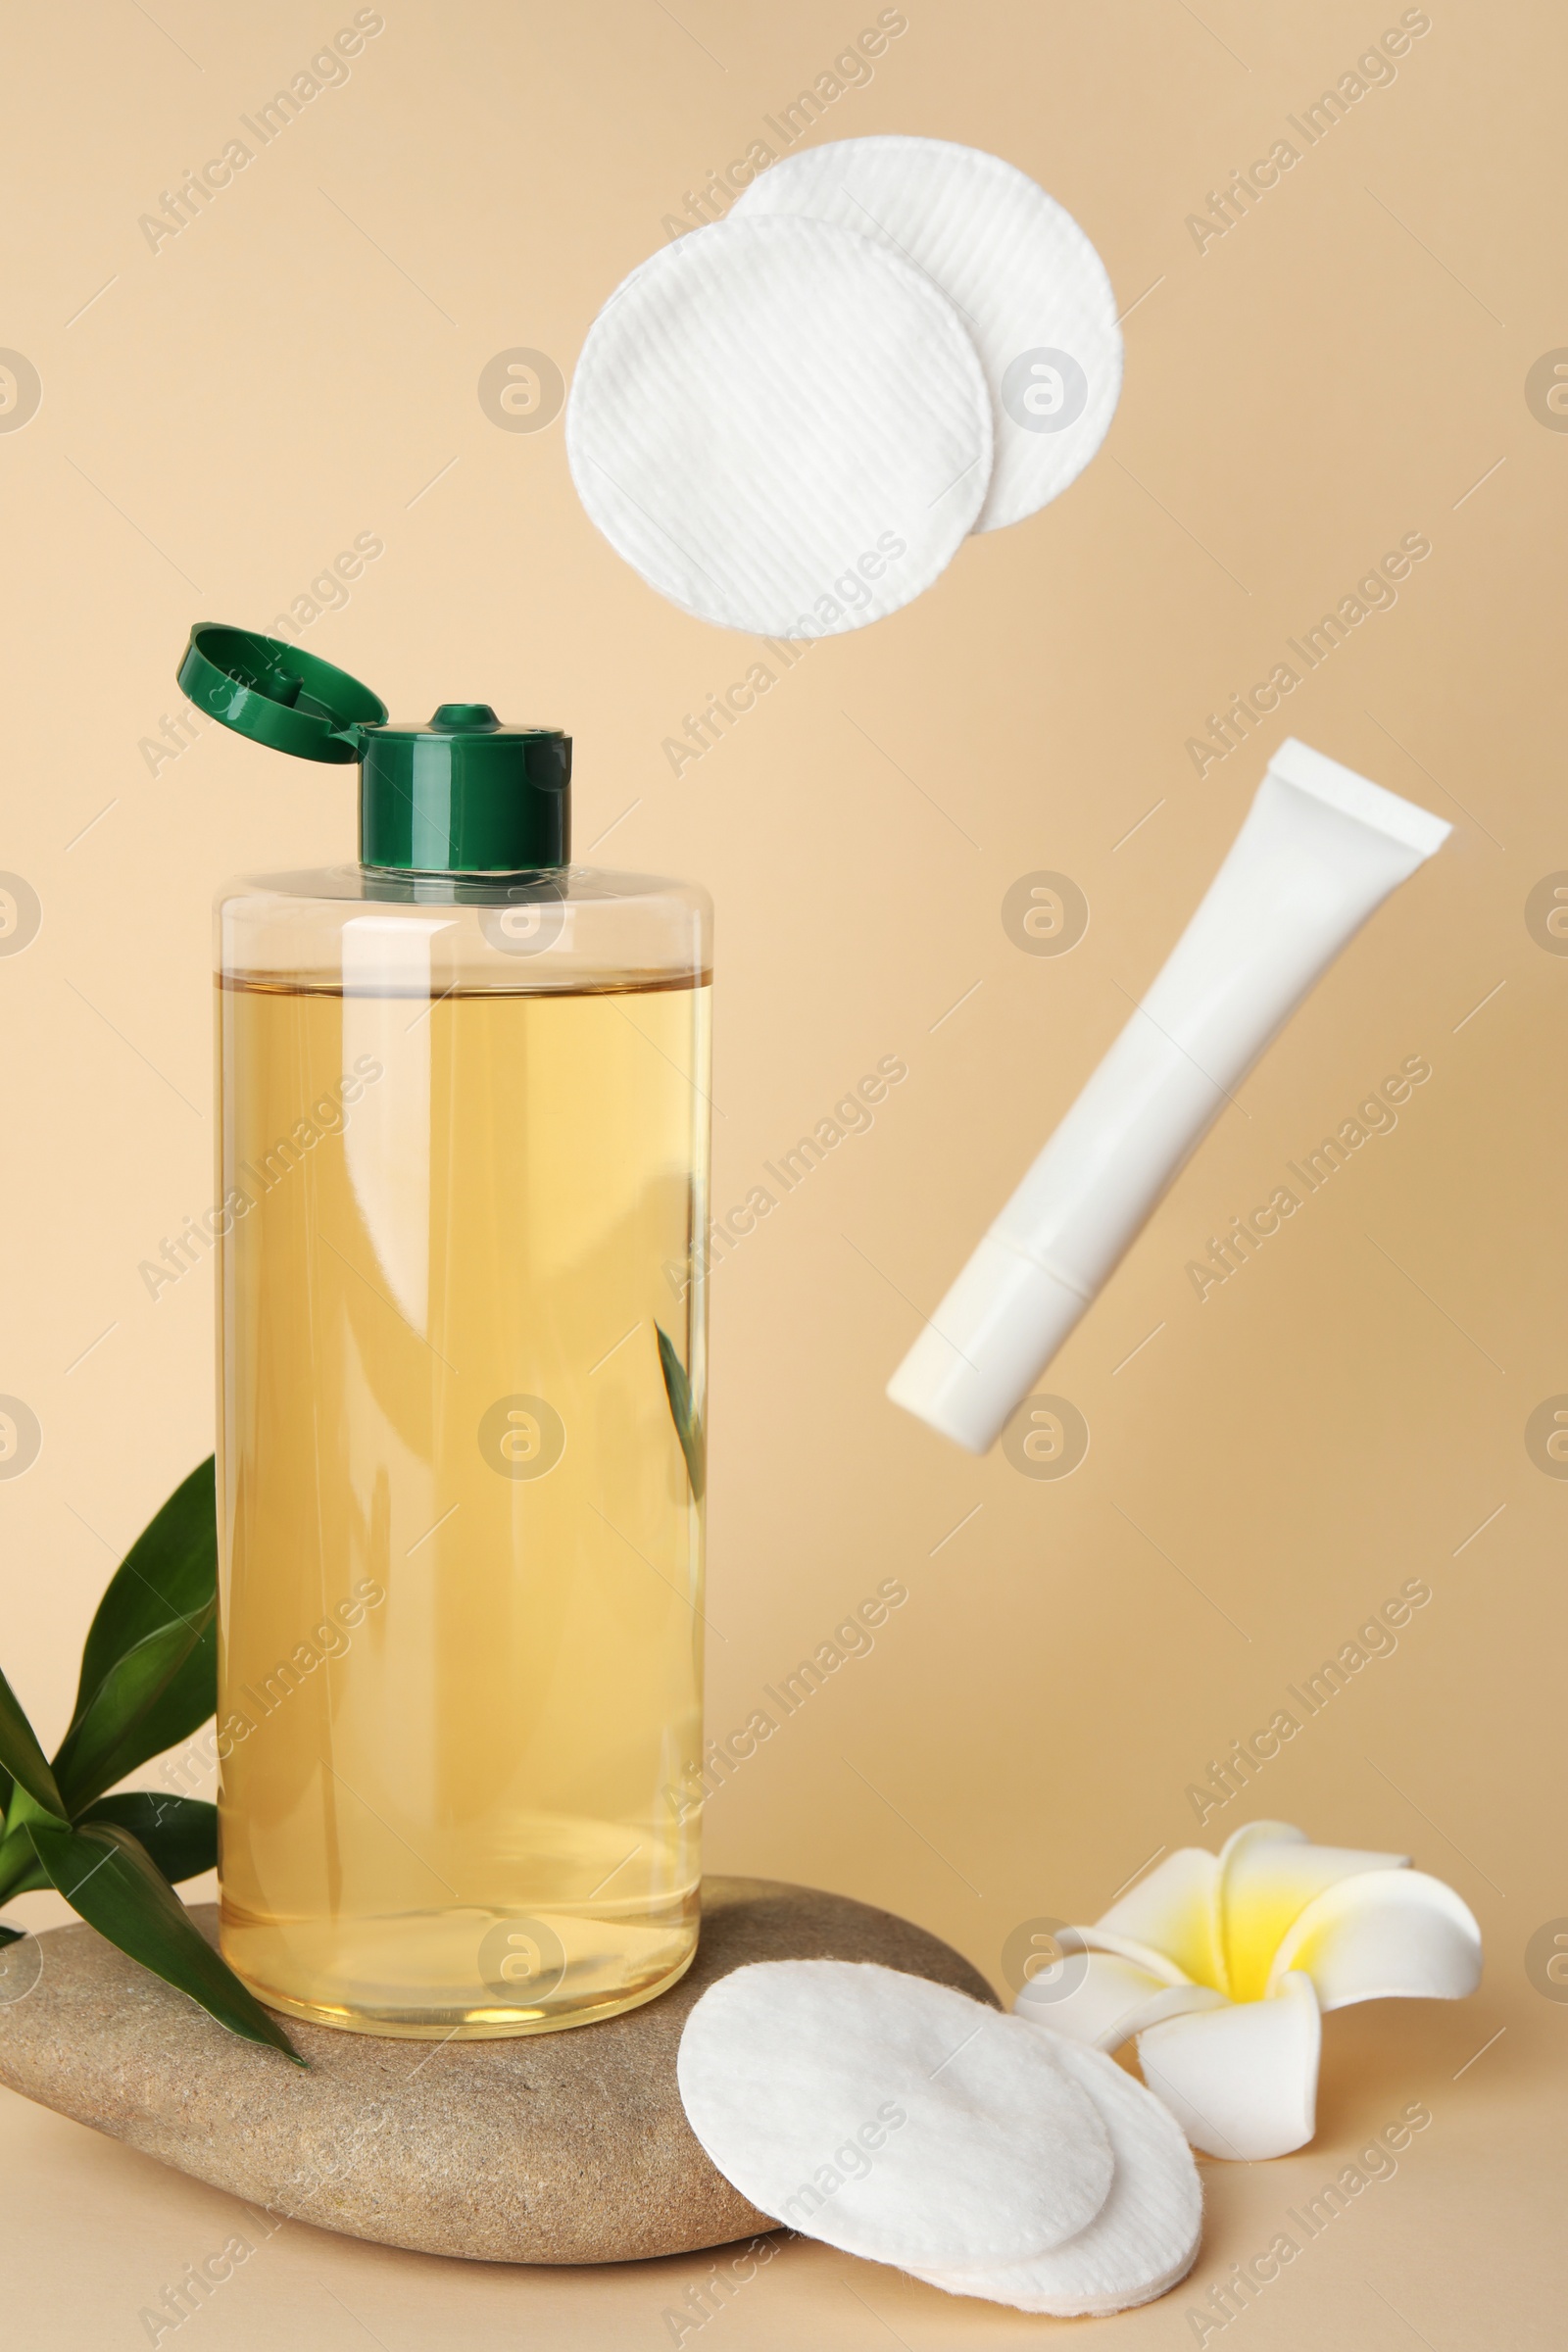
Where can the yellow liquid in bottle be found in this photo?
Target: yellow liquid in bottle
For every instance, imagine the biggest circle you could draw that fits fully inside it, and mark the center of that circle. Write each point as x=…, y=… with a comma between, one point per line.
x=460, y=1657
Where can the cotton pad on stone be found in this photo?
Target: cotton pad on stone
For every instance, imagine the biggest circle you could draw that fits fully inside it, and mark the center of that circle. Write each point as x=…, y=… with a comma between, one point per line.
x=1145, y=2236
x=1029, y=287
x=889, y=2115
x=782, y=426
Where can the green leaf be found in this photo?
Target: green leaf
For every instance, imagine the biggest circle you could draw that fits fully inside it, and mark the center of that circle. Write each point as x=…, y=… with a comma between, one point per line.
x=179, y=1833
x=20, y=1872
x=111, y=1880
x=19, y=1869
x=170, y=1571
x=11, y=1935
x=155, y=1693
x=22, y=1756
x=689, y=1430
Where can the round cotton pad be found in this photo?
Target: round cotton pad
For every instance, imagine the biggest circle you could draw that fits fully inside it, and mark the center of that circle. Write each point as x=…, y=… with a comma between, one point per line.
x=1029, y=287
x=1145, y=2236
x=889, y=2115
x=782, y=426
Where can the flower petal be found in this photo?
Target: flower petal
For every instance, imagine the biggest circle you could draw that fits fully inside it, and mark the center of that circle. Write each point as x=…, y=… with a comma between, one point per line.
x=1126, y=1947
x=1382, y=1933
x=1241, y=2081
x=1269, y=1873
x=1104, y=1998
x=1175, y=1909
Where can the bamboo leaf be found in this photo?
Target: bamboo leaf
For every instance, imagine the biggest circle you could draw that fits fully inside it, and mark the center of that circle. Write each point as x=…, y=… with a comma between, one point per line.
x=107, y=1875
x=22, y=1757
x=170, y=1571
x=154, y=1694
x=179, y=1833
x=689, y=1430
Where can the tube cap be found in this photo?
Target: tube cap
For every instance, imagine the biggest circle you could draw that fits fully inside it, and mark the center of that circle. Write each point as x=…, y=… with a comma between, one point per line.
x=986, y=1346
x=463, y=794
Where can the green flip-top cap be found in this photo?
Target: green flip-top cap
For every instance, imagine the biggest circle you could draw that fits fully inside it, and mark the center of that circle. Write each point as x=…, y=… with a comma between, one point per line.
x=461, y=795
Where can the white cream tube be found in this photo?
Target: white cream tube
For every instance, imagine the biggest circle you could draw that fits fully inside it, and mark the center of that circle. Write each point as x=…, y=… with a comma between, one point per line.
x=1320, y=848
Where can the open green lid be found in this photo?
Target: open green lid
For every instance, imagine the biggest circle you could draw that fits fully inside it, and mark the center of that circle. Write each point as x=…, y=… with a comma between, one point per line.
x=462, y=794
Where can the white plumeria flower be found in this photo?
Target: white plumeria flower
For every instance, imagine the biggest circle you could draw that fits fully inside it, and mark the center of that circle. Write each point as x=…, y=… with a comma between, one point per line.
x=1222, y=1964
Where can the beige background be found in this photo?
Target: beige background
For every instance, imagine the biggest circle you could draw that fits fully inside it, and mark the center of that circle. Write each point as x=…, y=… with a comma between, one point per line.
x=221, y=417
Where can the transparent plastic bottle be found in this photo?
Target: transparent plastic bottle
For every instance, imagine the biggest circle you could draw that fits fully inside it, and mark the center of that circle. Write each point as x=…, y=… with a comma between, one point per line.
x=462, y=1354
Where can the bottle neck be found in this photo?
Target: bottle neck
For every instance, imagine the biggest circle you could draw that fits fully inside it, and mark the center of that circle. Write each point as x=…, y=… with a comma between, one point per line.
x=520, y=886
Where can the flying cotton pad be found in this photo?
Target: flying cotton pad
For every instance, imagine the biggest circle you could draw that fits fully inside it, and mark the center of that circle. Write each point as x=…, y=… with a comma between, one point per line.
x=782, y=426
x=1029, y=287
x=1146, y=2235
x=890, y=2116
